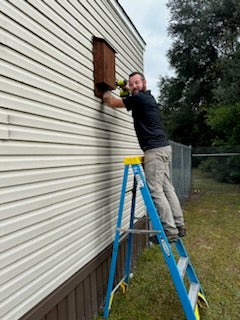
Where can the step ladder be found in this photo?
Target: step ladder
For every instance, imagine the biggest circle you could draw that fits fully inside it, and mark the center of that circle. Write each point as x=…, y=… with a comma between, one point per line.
x=190, y=298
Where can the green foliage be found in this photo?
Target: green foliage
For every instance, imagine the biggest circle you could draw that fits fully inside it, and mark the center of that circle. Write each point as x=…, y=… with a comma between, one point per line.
x=227, y=91
x=222, y=163
x=193, y=50
x=206, y=57
x=225, y=120
x=222, y=169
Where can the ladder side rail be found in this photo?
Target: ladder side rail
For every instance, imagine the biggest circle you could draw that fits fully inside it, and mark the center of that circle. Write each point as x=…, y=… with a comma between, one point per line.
x=115, y=245
x=130, y=235
x=181, y=249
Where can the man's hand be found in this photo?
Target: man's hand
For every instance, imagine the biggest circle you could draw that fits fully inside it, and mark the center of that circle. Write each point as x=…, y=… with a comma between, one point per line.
x=107, y=97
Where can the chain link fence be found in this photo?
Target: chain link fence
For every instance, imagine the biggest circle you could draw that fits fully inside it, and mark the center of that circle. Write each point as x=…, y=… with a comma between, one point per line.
x=220, y=163
x=181, y=169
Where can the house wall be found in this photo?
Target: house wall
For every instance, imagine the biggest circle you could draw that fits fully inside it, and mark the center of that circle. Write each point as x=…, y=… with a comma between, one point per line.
x=61, y=149
x=83, y=295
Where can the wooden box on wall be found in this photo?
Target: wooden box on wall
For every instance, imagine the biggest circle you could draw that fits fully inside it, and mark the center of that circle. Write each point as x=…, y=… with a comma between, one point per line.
x=104, y=66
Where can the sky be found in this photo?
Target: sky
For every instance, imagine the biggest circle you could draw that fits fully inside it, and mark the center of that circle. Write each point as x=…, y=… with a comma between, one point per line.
x=151, y=19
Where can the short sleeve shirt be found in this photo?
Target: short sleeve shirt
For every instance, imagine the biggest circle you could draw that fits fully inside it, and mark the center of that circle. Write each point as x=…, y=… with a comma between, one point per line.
x=147, y=120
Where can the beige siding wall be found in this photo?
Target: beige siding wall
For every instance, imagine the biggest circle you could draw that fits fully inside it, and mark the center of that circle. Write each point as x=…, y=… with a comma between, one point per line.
x=61, y=149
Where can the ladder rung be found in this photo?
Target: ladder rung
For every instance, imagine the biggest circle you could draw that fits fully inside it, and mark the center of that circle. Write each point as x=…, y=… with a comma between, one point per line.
x=193, y=293
x=138, y=231
x=145, y=218
x=182, y=265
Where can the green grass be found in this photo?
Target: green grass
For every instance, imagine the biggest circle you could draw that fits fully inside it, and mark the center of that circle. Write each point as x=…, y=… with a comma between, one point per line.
x=212, y=218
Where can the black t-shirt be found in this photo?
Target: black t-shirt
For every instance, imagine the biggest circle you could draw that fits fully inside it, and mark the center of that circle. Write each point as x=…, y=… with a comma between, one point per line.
x=147, y=120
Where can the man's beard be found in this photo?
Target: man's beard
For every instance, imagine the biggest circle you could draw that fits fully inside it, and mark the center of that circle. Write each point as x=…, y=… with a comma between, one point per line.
x=144, y=88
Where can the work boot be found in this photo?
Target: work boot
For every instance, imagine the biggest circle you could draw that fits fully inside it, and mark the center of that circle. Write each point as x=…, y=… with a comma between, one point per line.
x=154, y=239
x=182, y=231
x=171, y=237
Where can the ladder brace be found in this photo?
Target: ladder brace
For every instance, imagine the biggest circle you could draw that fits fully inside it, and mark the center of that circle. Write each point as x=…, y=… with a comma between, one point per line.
x=138, y=231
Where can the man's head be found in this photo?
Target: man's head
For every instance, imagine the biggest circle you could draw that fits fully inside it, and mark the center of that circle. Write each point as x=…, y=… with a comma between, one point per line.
x=137, y=82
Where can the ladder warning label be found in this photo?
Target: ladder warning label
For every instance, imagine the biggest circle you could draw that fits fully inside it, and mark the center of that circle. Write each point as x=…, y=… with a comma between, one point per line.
x=138, y=178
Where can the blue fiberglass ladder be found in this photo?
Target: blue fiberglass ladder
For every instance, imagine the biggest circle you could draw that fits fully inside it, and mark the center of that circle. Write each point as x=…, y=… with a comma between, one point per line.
x=190, y=299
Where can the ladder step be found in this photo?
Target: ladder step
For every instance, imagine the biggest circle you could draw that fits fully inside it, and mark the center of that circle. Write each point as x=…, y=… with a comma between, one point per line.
x=182, y=265
x=193, y=294
x=138, y=231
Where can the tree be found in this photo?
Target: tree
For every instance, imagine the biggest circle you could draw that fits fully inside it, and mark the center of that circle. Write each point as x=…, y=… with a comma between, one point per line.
x=227, y=91
x=205, y=55
x=223, y=118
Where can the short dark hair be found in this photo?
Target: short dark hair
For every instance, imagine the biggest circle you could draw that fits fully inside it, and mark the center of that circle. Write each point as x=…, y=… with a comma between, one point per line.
x=139, y=73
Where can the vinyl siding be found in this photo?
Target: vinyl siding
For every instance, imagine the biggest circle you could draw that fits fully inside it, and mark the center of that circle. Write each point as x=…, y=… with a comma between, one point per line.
x=61, y=150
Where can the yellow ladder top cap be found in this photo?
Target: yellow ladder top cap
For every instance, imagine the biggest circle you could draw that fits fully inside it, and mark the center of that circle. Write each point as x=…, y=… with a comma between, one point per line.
x=133, y=160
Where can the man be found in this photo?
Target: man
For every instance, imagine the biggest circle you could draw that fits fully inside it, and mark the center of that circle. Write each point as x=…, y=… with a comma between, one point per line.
x=157, y=152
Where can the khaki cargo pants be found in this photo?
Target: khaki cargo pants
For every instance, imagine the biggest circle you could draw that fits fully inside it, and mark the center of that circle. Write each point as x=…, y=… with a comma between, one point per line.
x=156, y=168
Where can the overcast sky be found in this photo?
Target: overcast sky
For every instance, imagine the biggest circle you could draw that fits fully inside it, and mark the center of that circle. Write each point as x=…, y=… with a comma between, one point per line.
x=151, y=19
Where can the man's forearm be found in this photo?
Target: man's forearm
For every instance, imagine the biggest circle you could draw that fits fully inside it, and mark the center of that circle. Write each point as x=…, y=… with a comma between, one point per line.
x=111, y=101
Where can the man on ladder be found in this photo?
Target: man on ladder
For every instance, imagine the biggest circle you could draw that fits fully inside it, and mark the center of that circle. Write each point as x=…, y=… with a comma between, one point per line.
x=157, y=153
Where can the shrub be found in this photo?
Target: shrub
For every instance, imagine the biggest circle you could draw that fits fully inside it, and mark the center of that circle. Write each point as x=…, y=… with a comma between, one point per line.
x=222, y=169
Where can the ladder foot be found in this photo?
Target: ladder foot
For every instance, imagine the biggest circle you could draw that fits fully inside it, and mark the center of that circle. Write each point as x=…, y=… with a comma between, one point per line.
x=124, y=287
x=202, y=301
